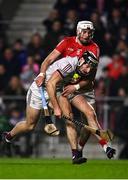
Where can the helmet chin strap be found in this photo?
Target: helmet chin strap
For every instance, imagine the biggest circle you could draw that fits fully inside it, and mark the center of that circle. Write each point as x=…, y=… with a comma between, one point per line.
x=80, y=73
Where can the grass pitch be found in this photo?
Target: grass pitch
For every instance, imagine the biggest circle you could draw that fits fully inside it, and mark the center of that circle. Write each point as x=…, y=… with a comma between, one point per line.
x=62, y=169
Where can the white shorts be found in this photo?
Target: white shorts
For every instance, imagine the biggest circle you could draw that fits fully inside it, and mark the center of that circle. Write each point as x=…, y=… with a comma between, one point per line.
x=33, y=101
x=89, y=96
x=33, y=98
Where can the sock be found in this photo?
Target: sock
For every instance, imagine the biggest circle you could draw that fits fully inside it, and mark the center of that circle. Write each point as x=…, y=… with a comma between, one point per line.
x=84, y=136
x=74, y=153
x=48, y=120
x=104, y=144
x=81, y=145
x=8, y=136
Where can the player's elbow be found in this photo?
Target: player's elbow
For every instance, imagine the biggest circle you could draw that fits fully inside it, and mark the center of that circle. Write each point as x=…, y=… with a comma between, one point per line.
x=48, y=85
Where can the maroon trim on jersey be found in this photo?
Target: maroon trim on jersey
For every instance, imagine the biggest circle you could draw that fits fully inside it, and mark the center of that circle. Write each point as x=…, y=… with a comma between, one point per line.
x=60, y=73
x=66, y=68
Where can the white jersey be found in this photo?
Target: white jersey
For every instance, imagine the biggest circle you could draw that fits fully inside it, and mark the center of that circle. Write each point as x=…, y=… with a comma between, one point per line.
x=64, y=66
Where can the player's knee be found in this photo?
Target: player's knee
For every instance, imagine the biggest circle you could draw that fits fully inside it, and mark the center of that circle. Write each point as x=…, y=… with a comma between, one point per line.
x=90, y=113
x=30, y=127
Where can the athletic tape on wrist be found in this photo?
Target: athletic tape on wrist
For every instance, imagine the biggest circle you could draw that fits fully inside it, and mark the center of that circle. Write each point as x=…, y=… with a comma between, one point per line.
x=42, y=74
x=77, y=86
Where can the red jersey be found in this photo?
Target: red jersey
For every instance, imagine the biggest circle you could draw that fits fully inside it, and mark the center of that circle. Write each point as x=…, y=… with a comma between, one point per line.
x=69, y=46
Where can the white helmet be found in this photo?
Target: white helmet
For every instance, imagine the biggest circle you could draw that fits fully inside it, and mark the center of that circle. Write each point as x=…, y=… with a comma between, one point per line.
x=84, y=25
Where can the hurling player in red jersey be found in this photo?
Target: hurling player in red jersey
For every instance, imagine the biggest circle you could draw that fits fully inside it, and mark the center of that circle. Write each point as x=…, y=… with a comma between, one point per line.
x=72, y=46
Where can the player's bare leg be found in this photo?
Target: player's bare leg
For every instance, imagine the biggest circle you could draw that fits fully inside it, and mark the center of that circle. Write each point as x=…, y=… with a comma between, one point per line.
x=71, y=130
x=84, y=134
x=32, y=116
x=81, y=104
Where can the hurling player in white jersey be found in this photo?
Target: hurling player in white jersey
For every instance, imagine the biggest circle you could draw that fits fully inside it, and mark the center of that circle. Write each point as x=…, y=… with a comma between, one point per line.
x=34, y=102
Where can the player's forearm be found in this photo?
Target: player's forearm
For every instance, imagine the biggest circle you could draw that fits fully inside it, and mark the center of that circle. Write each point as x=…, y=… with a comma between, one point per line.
x=72, y=88
x=48, y=60
x=45, y=64
x=41, y=77
x=51, y=89
x=82, y=84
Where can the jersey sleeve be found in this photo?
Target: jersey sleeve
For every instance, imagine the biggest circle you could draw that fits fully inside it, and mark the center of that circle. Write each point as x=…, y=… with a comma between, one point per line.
x=66, y=67
x=96, y=50
x=62, y=45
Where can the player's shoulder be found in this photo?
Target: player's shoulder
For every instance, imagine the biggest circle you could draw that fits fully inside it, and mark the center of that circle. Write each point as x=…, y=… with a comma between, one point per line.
x=66, y=40
x=94, y=44
x=70, y=38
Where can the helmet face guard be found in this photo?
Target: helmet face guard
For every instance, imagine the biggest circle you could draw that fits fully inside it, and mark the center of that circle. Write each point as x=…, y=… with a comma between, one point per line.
x=88, y=58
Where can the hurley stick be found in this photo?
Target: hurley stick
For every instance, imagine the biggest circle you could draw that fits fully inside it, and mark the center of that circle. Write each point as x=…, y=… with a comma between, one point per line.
x=105, y=134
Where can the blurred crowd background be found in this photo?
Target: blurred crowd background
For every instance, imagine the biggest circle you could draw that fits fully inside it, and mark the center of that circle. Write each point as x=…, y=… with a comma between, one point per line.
x=20, y=60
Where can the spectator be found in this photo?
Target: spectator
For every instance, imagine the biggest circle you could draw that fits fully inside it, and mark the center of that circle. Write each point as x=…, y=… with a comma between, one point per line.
x=99, y=28
x=83, y=10
x=52, y=38
x=108, y=45
x=116, y=66
x=115, y=21
x=70, y=22
x=35, y=48
x=29, y=72
x=122, y=48
x=15, y=116
x=115, y=69
x=20, y=52
x=118, y=4
x=100, y=88
x=11, y=63
x=122, y=83
x=103, y=84
x=15, y=89
x=64, y=5
x=53, y=15
x=123, y=34
x=3, y=79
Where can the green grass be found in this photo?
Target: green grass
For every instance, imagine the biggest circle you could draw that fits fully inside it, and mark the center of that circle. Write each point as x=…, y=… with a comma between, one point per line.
x=62, y=169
